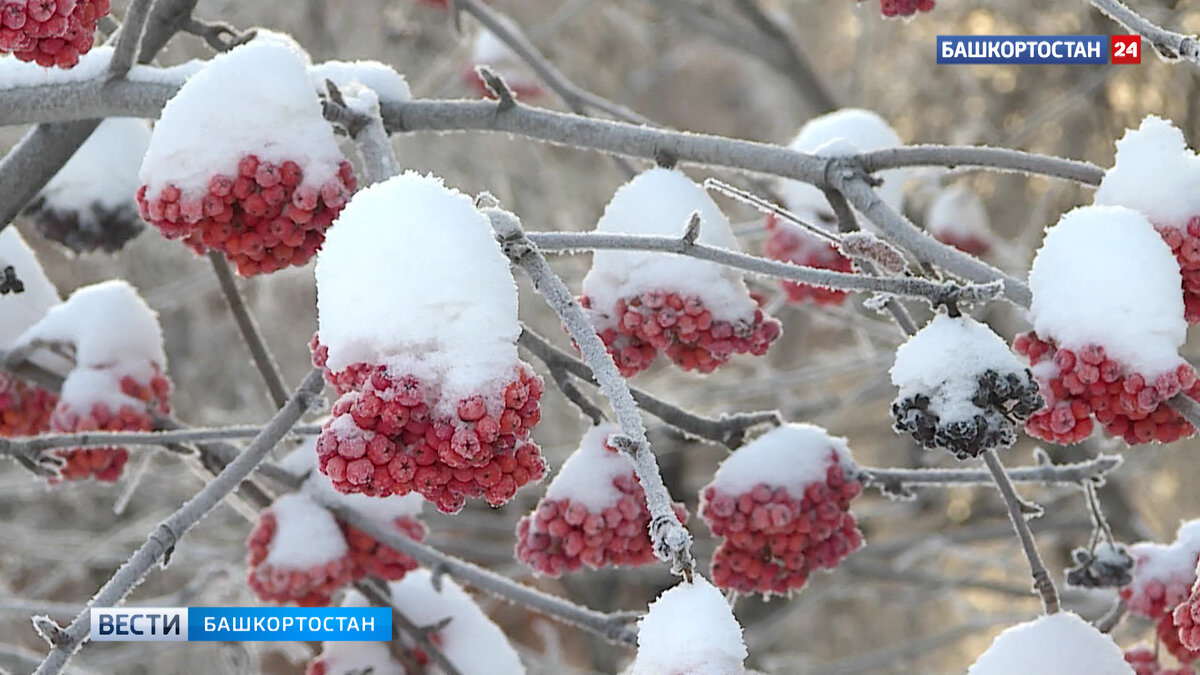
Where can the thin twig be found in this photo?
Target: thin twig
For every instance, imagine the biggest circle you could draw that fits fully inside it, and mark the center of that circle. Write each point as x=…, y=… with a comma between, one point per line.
x=371, y=138
x=264, y=360
x=130, y=37
x=562, y=379
x=895, y=481
x=219, y=35
x=1169, y=45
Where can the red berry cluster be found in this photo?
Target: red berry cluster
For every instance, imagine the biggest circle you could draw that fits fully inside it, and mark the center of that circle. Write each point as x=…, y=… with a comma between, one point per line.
x=774, y=540
x=1179, y=626
x=682, y=327
x=562, y=535
x=904, y=7
x=1157, y=597
x=1089, y=385
x=50, y=32
x=965, y=242
x=105, y=464
x=376, y=560
x=1185, y=244
x=1144, y=662
x=384, y=438
x=25, y=408
x=263, y=219
x=788, y=244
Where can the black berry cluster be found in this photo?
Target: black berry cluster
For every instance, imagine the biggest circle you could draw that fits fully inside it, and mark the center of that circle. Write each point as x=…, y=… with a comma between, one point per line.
x=100, y=229
x=9, y=283
x=1113, y=570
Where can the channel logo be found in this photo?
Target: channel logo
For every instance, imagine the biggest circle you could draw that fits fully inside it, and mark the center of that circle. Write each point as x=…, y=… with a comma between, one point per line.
x=1038, y=49
x=241, y=624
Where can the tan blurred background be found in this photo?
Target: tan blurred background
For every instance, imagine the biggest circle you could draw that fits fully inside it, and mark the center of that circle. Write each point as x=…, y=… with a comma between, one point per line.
x=940, y=575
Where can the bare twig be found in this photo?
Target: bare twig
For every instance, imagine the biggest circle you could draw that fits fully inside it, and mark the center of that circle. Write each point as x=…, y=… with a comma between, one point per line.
x=264, y=360
x=1169, y=45
x=129, y=38
x=562, y=379
x=1187, y=408
x=219, y=35
x=163, y=539
x=896, y=481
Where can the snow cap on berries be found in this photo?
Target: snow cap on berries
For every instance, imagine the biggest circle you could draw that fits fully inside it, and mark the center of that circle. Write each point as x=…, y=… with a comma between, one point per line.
x=587, y=475
x=1154, y=173
x=306, y=534
x=24, y=309
x=791, y=456
x=412, y=277
x=690, y=630
x=1104, y=276
x=379, y=77
x=957, y=216
x=1163, y=574
x=1057, y=644
x=256, y=99
x=843, y=132
x=471, y=641
x=661, y=202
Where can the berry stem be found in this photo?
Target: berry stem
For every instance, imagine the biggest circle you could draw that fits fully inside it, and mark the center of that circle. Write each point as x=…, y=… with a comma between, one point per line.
x=1042, y=582
x=264, y=360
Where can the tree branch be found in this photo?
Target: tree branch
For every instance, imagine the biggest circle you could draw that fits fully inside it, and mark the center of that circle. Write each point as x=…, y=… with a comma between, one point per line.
x=130, y=37
x=1169, y=45
x=378, y=593
x=264, y=360
x=898, y=481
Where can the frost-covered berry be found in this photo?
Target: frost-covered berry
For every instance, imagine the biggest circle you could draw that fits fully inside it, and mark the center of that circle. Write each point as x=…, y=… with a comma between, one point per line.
x=297, y=553
x=958, y=217
x=594, y=513
x=51, y=33
x=698, y=313
x=266, y=179
x=690, y=630
x=1077, y=648
x=1163, y=573
x=1102, y=262
x=1179, y=633
x=1109, y=566
x=25, y=408
x=782, y=505
x=488, y=50
x=431, y=402
x=961, y=388
x=89, y=205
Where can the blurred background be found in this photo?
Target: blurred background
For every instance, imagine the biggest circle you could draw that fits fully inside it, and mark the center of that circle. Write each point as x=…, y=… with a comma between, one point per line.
x=940, y=574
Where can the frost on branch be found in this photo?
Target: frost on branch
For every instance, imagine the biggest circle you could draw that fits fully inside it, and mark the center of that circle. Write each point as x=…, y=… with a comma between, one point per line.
x=843, y=132
x=699, y=312
x=690, y=630
x=594, y=513
x=266, y=179
x=1058, y=644
x=119, y=380
x=489, y=50
x=51, y=33
x=958, y=217
x=1108, y=322
x=25, y=408
x=417, y=331
x=1155, y=173
x=782, y=503
x=961, y=388
x=89, y=205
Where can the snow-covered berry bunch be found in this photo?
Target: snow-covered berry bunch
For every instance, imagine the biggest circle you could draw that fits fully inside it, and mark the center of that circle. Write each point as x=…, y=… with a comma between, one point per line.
x=1154, y=173
x=488, y=50
x=118, y=382
x=266, y=179
x=25, y=407
x=1098, y=263
x=842, y=132
x=1144, y=661
x=470, y=641
x=958, y=217
x=89, y=204
x=1163, y=573
x=1077, y=648
x=594, y=513
x=961, y=388
x=51, y=33
x=782, y=504
x=690, y=630
x=698, y=312
x=434, y=398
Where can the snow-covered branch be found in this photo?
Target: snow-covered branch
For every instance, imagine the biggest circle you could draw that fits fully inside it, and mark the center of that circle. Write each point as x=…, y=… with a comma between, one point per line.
x=1168, y=44
x=130, y=37
x=166, y=536
x=898, y=481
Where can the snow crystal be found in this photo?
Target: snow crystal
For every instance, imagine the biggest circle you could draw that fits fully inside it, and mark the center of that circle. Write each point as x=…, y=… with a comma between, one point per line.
x=791, y=456
x=103, y=171
x=381, y=78
x=661, y=202
x=19, y=311
x=1155, y=173
x=107, y=323
x=254, y=99
x=471, y=641
x=1104, y=276
x=412, y=277
x=306, y=535
x=843, y=132
x=587, y=475
x=958, y=212
x=944, y=361
x=1058, y=644
x=690, y=629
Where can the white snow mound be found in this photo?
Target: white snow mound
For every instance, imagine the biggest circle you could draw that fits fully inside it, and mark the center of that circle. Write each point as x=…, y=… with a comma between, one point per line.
x=379, y=77
x=19, y=311
x=690, y=630
x=254, y=99
x=411, y=276
x=104, y=171
x=957, y=211
x=1104, y=276
x=661, y=202
x=791, y=456
x=1058, y=644
x=306, y=534
x=587, y=475
x=471, y=641
x=1155, y=173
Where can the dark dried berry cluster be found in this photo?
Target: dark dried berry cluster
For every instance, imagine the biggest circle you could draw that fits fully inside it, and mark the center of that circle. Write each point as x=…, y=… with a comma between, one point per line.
x=9, y=282
x=1113, y=570
x=101, y=228
x=1003, y=401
